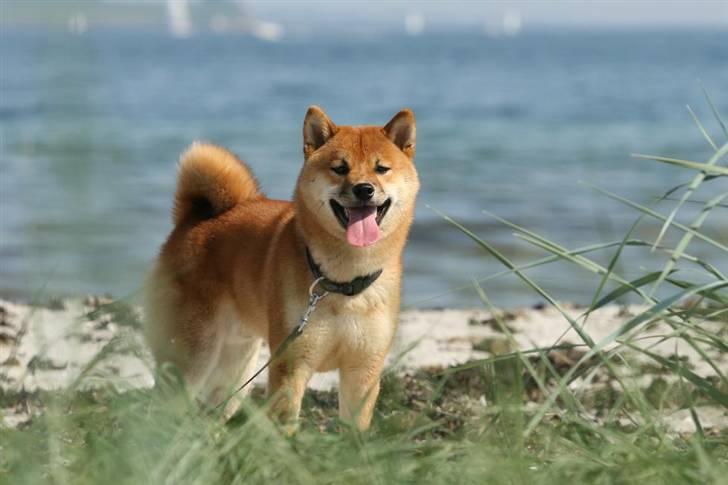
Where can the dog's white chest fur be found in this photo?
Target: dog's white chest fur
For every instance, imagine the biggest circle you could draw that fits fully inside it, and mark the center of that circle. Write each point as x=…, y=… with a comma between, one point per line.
x=347, y=327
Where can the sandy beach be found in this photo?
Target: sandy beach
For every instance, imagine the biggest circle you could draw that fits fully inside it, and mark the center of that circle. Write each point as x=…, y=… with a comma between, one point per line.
x=95, y=341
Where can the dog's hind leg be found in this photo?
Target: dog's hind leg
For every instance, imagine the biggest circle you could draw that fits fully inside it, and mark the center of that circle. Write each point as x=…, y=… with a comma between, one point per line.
x=205, y=341
x=240, y=357
x=231, y=358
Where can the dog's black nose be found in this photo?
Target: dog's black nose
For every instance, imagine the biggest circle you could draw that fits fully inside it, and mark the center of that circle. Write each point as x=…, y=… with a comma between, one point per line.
x=363, y=191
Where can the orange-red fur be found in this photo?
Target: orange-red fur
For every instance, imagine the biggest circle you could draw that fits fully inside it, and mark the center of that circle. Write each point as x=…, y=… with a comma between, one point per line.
x=233, y=271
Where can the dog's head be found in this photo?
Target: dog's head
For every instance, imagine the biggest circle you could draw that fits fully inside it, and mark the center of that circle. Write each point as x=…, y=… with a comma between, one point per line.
x=359, y=182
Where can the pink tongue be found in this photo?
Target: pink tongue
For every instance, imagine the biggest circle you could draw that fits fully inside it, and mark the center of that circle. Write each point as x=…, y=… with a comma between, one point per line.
x=363, y=229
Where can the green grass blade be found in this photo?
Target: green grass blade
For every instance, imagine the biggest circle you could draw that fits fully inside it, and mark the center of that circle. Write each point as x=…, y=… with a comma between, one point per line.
x=658, y=308
x=724, y=206
x=572, y=322
x=625, y=285
x=718, y=118
x=704, y=167
x=539, y=262
x=583, y=262
x=703, y=384
x=574, y=403
x=659, y=216
x=687, y=237
x=505, y=261
x=702, y=128
x=545, y=243
x=681, y=331
x=706, y=294
x=649, y=314
x=697, y=180
x=624, y=289
x=709, y=268
x=610, y=267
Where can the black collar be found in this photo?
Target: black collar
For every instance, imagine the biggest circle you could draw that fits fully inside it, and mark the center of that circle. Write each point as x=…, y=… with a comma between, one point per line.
x=350, y=288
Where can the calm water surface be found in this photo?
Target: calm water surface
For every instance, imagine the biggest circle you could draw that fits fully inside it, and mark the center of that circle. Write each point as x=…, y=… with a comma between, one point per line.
x=91, y=128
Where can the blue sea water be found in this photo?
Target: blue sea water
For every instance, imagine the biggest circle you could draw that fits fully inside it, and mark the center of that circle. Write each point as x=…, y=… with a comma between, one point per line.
x=91, y=128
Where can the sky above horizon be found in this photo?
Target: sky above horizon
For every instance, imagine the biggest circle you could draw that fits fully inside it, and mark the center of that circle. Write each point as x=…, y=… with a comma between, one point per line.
x=376, y=15
x=459, y=12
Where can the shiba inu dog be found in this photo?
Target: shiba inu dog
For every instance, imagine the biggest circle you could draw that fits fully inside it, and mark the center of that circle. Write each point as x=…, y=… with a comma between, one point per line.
x=237, y=267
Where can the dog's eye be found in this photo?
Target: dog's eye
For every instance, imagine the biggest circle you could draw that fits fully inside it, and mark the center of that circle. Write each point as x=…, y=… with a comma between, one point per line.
x=382, y=169
x=342, y=169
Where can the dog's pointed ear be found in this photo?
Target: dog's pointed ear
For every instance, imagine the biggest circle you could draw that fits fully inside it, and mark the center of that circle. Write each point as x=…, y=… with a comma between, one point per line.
x=401, y=130
x=317, y=129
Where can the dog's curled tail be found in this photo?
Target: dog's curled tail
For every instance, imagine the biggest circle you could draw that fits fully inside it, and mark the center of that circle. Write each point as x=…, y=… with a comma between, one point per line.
x=211, y=180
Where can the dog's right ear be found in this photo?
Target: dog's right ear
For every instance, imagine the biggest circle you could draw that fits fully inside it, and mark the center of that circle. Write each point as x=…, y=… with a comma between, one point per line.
x=317, y=129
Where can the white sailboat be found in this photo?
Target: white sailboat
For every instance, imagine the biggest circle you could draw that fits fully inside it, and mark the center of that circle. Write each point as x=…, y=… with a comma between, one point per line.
x=512, y=23
x=78, y=23
x=178, y=18
x=414, y=23
x=509, y=25
x=246, y=22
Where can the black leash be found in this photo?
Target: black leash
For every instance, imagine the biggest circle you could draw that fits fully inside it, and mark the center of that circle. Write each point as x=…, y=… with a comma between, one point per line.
x=350, y=288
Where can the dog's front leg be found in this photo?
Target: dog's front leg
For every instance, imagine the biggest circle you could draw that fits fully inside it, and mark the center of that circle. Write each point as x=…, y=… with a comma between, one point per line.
x=286, y=385
x=358, y=391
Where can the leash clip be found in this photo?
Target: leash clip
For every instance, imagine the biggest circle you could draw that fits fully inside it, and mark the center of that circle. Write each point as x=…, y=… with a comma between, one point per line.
x=313, y=300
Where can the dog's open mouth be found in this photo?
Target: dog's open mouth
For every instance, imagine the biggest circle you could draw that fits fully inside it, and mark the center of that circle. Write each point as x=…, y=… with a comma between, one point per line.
x=362, y=222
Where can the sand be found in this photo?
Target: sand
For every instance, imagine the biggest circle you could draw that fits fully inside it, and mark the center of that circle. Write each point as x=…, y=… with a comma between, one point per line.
x=59, y=346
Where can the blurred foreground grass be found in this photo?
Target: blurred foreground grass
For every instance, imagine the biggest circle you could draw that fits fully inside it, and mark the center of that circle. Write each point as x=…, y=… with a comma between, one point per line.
x=518, y=417
x=152, y=437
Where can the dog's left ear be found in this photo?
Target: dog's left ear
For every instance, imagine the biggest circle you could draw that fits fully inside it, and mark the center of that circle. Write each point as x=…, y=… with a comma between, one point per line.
x=401, y=130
